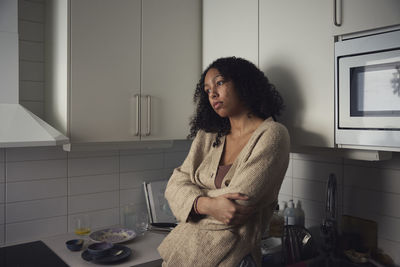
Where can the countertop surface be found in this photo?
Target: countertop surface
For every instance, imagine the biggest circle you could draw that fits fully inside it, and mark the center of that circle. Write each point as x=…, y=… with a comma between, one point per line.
x=144, y=250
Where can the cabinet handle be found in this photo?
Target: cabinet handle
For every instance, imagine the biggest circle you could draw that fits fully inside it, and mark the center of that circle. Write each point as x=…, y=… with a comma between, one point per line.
x=137, y=114
x=337, y=21
x=148, y=131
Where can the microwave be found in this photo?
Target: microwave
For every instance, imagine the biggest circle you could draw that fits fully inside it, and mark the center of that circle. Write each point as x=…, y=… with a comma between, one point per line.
x=367, y=92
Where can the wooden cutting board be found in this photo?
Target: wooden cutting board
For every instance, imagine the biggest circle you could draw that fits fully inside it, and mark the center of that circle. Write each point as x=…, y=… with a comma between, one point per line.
x=366, y=229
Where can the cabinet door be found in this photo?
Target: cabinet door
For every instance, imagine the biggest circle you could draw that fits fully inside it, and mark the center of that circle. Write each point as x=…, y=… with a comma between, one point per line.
x=296, y=54
x=230, y=28
x=361, y=15
x=105, y=69
x=171, y=61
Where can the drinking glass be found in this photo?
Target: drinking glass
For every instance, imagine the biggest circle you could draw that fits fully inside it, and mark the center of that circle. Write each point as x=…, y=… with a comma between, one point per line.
x=81, y=224
x=141, y=222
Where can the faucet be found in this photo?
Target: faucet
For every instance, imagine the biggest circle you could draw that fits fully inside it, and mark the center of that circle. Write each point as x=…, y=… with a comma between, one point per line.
x=329, y=225
x=330, y=204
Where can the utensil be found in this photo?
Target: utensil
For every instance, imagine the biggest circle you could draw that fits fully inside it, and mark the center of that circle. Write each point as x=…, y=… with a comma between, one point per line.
x=117, y=252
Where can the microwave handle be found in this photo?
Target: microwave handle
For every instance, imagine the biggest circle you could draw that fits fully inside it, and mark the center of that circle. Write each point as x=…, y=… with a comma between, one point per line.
x=337, y=6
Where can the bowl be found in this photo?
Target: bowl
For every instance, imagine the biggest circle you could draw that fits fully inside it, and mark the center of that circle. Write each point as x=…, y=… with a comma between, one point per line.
x=74, y=244
x=100, y=249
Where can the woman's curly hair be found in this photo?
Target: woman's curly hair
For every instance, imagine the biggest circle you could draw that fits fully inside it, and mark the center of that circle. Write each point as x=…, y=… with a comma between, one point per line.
x=252, y=87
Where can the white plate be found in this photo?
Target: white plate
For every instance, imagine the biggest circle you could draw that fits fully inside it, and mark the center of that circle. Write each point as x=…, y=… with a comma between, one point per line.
x=113, y=235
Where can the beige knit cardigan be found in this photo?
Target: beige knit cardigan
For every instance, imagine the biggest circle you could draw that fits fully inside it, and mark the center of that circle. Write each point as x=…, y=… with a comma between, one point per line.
x=258, y=172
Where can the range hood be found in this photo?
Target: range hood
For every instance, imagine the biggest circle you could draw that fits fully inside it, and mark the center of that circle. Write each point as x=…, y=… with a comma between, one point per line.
x=18, y=126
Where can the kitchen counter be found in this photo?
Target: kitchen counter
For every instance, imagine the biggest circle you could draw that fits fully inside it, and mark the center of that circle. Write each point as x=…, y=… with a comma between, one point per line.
x=144, y=250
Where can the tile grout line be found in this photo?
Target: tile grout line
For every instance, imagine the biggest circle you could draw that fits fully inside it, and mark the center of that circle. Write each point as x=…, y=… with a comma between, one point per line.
x=67, y=230
x=5, y=196
x=119, y=187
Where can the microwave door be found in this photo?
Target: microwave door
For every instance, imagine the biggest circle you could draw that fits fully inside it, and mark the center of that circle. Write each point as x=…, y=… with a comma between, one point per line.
x=369, y=91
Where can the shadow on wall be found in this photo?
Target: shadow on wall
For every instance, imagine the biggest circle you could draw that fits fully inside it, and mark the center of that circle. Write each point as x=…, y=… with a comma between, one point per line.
x=288, y=86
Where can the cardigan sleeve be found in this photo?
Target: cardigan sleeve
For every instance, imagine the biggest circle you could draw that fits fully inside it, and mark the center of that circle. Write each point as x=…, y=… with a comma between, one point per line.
x=260, y=172
x=181, y=189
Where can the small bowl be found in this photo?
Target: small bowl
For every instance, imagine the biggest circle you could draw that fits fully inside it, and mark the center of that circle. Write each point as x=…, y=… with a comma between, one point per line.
x=100, y=249
x=74, y=244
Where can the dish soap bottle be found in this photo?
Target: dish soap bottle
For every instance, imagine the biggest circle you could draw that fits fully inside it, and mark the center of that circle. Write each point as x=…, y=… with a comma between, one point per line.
x=290, y=214
x=300, y=214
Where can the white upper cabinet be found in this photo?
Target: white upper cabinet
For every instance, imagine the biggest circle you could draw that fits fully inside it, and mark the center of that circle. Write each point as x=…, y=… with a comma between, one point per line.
x=230, y=28
x=171, y=66
x=105, y=70
x=133, y=67
x=360, y=15
x=296, y=54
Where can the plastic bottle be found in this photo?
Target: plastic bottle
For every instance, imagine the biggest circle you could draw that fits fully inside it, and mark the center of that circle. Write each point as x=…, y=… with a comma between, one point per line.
x=300, y=213
x=290, y=214
x=282, y=207
x=276, y=224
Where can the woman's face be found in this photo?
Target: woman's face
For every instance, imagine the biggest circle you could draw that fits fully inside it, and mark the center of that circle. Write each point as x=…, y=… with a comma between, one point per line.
x=222, y=95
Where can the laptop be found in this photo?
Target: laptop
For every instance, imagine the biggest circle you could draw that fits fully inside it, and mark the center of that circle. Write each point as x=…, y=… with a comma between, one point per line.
x=160, y=214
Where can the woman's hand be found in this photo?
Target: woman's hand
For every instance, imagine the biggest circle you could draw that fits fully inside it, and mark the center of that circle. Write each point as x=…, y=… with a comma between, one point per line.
x=224, y=209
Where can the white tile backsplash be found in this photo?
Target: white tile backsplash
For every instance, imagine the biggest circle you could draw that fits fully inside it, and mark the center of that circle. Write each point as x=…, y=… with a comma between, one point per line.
x=2, y=235
x=2, y=172
x=132, y=196
x=289, y=170
x=141, y=162
x=180, y=145
x=311, y=190
x=31, y=91
x=2, y=193
x=35, y=153
x=386, y=180
x=388, y=228
x=92, y=166
x=136, y=179
x=36, y=170
x=287, y=186
x=31, y=51
x=93, y=184
x=92, y=154
x=92, y=202
x=318, y=171
x=31, y=31
x=31, y=71
x=28, y=10
x=36, y=209
x=317, y=157
x=174, y=159
x=102, y=183
x=33, y=230
x=2, y=153
x=2, y=214
x=313, y=210
x=32, y=190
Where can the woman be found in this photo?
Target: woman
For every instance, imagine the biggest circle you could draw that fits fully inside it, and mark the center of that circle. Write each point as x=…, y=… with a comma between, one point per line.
x=224, y=193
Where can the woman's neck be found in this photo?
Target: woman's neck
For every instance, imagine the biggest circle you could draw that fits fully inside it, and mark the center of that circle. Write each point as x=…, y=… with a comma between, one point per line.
x=244, y=124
